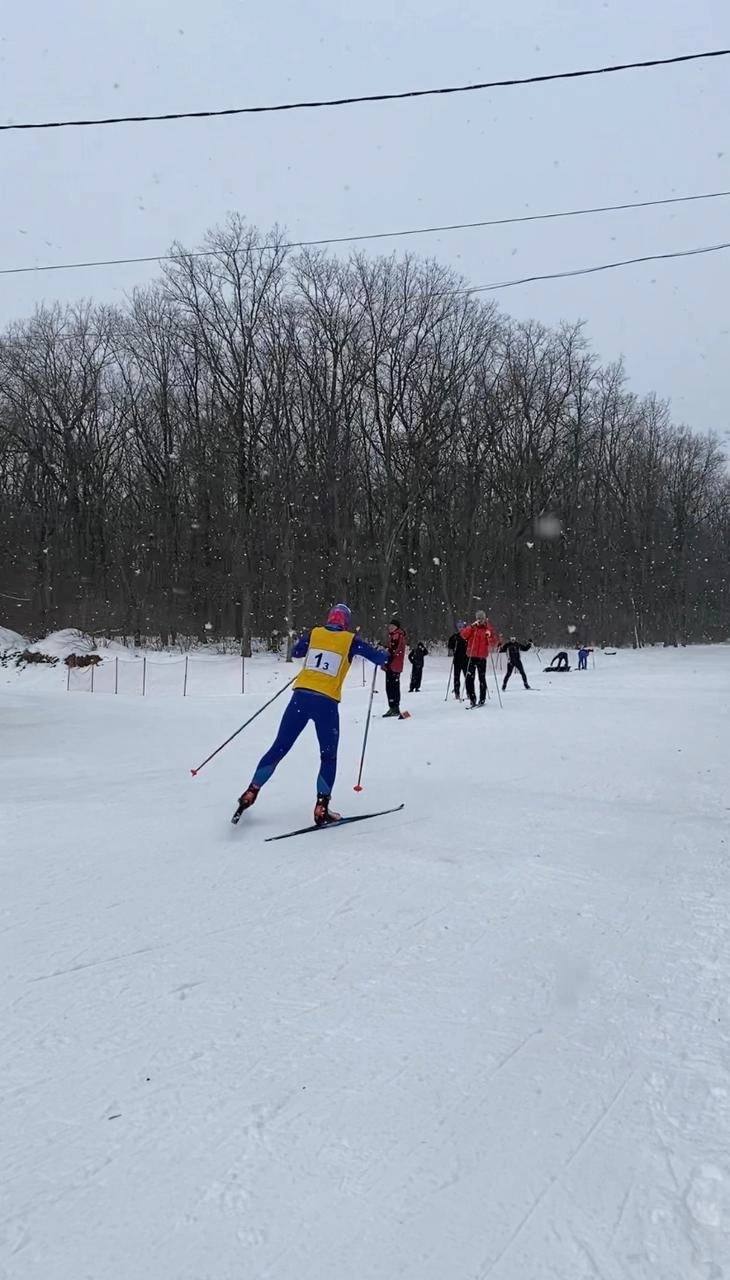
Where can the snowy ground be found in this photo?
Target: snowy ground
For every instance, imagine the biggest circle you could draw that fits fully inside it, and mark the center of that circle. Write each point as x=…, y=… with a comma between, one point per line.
x=488, y=1037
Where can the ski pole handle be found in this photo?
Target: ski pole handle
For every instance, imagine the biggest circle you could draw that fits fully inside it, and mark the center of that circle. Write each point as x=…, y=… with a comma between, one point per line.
x=212, y=755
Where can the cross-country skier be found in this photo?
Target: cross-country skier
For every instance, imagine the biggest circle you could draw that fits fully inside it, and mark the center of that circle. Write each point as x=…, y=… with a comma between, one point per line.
x=416, y=658
x=457, y=647
x=583, y=658
x=396, y=658
x=479, y=637
x=329, y=651
x=514, y=648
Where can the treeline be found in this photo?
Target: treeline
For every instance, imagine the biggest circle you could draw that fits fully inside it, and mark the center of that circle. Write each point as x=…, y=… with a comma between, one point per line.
x=263, y=432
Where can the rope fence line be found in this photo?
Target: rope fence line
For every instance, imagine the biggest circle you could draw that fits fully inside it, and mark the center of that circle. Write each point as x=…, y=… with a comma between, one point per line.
x=226, y=668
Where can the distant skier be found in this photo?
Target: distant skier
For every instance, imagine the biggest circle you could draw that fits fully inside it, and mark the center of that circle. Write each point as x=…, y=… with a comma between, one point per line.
x=457, y=648
x=514, y=649
x=583, y=658
x=329, y=651
x=416, y=658
x=559, y=662
x=479, y=637
x=394, y=666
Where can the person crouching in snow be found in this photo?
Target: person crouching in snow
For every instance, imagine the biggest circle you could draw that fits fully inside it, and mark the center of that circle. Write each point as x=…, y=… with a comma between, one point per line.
x=416, y=658
x=479, y=636
x=394, y=667
x=328, y=652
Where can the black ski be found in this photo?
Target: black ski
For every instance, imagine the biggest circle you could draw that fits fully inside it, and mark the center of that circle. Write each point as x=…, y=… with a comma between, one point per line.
x=357, y=817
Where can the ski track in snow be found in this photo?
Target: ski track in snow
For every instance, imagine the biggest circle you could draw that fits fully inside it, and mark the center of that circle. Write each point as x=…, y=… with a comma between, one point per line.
x=487, y=1038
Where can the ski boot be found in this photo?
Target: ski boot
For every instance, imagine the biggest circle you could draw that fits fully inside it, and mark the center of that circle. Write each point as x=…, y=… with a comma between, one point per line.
x=390, y=713
x=323, y=815
x=245, y=801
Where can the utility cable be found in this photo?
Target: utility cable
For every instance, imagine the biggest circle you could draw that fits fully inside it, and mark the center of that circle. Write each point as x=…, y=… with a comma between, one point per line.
x=372, y=97
x=374, y=235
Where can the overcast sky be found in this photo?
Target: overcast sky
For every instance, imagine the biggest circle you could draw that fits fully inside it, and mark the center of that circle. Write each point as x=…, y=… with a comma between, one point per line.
x=131, y=189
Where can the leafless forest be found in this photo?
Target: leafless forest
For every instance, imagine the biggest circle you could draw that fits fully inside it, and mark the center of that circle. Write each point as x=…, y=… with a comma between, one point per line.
x=264, y=431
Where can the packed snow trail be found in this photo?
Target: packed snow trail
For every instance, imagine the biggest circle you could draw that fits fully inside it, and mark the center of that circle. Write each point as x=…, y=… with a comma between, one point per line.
x=486, y=1038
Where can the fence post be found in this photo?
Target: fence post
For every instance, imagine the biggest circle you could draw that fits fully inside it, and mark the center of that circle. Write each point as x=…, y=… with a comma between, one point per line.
x=144, y=674
x=116, y=675
x=92, y=676
x=243, y=674
x=185, y=678
x=68, y=679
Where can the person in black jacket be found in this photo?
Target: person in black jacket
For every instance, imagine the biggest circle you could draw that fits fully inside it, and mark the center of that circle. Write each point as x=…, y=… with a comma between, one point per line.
x=457, y=648
x=513, y=648
x=416, y=657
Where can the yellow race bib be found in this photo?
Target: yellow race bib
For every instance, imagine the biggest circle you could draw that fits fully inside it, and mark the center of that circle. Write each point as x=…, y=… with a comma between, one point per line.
x=327, y=662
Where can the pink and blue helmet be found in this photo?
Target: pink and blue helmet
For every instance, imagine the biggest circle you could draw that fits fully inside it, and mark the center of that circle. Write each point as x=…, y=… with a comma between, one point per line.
x=340, y=616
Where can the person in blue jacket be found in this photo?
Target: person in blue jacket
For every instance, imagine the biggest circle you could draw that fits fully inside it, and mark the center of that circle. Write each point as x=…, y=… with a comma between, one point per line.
x=328, y=652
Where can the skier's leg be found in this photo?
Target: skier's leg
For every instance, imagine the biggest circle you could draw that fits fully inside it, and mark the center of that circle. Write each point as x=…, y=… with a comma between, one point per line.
x=292, y=722
x=521, y=670
x=469, y=681
x=326, y=718
x=507, y=674
x=482, y=669
x=459, y=671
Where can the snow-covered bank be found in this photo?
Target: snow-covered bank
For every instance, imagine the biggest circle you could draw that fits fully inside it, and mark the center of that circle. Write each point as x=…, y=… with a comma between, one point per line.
x=486, y=1037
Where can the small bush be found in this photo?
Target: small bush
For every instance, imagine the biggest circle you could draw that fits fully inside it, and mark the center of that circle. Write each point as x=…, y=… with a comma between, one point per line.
x=29, y=656
x=83, y=660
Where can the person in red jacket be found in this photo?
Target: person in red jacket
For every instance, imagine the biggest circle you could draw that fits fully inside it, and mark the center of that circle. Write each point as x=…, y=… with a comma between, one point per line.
x=394, y=666
x=479, y=637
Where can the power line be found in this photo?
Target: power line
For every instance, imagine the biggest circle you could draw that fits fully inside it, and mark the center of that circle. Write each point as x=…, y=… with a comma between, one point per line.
x=588, y=271
x=374, y=97
x=374, y=235
x=552, y=275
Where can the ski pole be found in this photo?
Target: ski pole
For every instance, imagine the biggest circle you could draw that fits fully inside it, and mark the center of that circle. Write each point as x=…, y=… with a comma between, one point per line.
x=451, y=672
x=358, y=784
x=207, y=760
x=496, y=681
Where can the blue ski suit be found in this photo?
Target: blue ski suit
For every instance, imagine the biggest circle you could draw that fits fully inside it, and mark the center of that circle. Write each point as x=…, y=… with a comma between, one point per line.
x=305, y=705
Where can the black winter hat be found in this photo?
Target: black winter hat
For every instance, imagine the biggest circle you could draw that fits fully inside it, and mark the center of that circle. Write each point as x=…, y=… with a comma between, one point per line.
x=395, y=622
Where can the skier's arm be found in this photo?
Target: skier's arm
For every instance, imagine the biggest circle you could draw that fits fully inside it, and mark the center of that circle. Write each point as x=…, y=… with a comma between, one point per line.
x=301, y=645
x=361, y=649
x=452, y=644
x=505, y=647
x=524, y=647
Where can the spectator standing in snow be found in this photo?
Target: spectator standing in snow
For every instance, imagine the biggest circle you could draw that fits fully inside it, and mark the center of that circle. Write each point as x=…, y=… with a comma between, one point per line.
x=416, y=659
x=457, y=648
x=514, y=649
x=478, y=637
x=583, y=658
x=394, y=667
